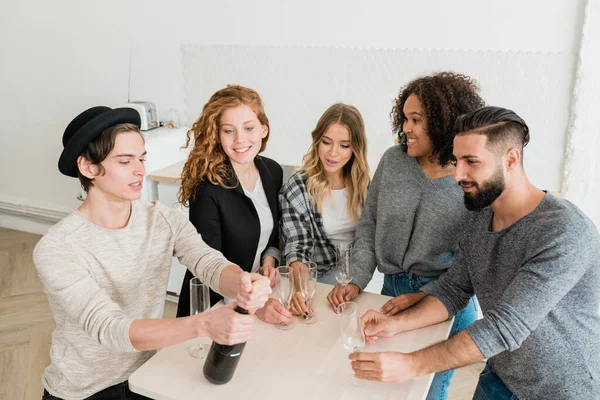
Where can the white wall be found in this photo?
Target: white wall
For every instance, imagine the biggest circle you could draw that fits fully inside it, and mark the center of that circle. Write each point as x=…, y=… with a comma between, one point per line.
x=61, y=57
x=297, y=83
x=581, y=182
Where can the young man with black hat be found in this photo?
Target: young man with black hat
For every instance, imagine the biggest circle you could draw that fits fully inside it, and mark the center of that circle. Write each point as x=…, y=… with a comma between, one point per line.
x=532, y=259
x=105, y=267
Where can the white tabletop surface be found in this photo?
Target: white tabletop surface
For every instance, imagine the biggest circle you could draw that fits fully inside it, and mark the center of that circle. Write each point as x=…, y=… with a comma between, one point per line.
x=307, y=362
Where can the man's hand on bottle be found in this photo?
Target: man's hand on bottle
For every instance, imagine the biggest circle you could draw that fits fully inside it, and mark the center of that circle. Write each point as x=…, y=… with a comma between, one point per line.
x=253, y=292
x=226, y=326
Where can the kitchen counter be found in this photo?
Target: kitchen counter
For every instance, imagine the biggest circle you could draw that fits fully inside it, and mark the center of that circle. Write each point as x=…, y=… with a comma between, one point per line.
x=170, y=174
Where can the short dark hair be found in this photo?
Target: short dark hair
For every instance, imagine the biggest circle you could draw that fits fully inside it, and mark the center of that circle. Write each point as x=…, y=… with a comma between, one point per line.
x=501, y=126
x=100, y=147
x=444, y=97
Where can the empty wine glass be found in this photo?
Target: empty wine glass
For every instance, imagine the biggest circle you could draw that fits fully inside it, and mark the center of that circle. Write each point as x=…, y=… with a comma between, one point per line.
x=353, y=334
x=199, y=302
x=284, y=288
x=307, y=274
x=343, y=267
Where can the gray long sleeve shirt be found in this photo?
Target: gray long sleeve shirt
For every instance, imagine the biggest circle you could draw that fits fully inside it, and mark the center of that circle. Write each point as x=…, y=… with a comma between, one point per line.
x=538, y=283
x=410, y=222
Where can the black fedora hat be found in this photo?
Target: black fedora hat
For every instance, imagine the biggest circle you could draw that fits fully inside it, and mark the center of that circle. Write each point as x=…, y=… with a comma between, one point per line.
x=87, y=126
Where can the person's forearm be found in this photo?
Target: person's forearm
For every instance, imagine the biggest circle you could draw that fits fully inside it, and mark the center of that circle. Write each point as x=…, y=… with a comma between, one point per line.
x=419, y=296
x=296, y=268
x=152, y=334
x=428, y=311
x=269, y=261
x=458, y=351
x=229, y=281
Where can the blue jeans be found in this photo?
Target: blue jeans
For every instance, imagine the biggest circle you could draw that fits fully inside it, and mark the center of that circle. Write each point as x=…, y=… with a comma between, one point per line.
x=491, y=387
x=406, y=282
x=328, y=277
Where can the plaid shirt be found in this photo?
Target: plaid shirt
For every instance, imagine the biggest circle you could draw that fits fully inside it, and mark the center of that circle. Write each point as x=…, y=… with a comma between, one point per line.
x=302, y=227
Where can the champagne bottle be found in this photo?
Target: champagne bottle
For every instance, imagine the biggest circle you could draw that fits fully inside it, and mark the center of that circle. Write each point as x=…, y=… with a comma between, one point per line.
x=222, y=360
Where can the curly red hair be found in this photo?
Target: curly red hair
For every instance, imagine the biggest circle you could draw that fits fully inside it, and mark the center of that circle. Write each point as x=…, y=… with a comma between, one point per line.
x=207, y=160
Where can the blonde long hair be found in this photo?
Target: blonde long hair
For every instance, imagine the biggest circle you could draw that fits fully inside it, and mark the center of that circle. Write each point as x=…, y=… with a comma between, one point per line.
x=207, y=160
x=355, y=172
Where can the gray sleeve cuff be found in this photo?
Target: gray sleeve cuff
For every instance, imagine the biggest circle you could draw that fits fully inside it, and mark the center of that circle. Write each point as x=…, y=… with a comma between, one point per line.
x=363, y=268
x=494, y=335
x=275, y=253
x=124, y=340
x=486, y=343
x=362, y=281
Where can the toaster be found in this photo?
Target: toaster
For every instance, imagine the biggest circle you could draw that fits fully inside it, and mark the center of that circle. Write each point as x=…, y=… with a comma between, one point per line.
x=148, y=114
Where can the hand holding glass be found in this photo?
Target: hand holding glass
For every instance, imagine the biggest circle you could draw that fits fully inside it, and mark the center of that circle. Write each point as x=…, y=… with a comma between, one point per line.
x=284, y=288
x=352, y=330
x=307, y=273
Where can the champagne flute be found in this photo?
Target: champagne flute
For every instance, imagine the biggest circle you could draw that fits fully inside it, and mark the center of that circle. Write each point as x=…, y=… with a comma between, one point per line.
x=352, y=330
x=199, y=302
x=307, y=275
x=284, y=288
x=343, y=267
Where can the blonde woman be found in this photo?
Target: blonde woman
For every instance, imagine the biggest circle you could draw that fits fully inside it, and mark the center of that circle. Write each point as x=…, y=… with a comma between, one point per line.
x=232, y=191
x=321, y=203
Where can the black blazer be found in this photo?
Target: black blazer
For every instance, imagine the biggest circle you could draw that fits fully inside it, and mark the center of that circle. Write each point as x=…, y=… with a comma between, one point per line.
x=228, y=222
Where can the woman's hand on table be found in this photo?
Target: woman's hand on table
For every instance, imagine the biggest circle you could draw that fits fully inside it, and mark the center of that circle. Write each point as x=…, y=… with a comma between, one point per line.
x=274, y=313
x=378, y=325
x=253, y=292
x=339, y=294
x=401, y=303
x=225, y=326
x=382, y=367
x=299, y=306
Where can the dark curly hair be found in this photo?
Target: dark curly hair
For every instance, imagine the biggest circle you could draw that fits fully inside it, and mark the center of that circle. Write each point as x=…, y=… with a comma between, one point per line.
x=444, y=97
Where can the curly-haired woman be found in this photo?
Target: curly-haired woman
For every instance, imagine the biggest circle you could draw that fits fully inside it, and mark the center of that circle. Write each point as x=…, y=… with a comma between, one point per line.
x=321, y=203
x=232, y=191
x=414, y=215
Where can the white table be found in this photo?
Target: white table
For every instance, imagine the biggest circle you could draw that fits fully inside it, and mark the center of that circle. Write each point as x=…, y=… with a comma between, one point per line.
x=307, y=362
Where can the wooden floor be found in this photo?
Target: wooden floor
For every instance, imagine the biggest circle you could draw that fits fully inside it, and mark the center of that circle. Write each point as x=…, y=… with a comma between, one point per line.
x=26, y=325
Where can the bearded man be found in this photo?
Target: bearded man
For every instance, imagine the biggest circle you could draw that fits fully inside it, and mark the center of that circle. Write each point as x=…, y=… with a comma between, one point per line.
x=532, y=260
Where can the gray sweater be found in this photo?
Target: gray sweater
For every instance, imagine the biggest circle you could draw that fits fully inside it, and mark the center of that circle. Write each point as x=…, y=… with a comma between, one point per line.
x=410, y=223
x=538, y=283
x=99, y=280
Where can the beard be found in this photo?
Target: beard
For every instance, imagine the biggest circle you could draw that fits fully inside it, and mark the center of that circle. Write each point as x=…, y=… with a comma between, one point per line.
x=489, y=192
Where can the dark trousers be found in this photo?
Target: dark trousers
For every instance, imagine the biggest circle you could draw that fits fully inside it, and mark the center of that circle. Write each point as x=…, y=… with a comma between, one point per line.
x=117, y=392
